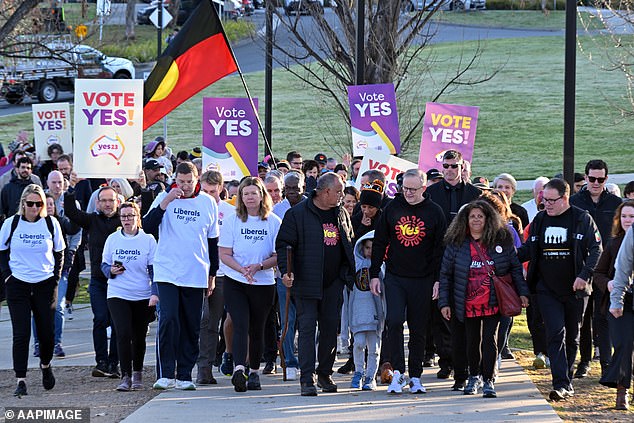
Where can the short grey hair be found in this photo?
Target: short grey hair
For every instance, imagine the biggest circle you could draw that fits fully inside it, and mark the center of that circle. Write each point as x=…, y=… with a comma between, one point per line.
x=416, y=173
x=293, y=175
x=328, y=180
x=540, y=180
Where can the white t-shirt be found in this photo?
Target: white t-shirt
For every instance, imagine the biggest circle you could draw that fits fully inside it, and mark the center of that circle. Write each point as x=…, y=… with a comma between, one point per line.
x=225, y=210
x=281, y=208
x=252, y=241
x=182, y=255
x=31, y=257
x=136, y=252
x=531, y=209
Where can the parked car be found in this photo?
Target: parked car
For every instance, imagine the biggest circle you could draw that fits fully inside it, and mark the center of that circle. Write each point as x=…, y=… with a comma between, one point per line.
x=412, y=5
x=185, y=9
x=303, y=7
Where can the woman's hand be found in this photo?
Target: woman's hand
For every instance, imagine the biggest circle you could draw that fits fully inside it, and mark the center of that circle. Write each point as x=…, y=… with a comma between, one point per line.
x=610, y=285
x=154, y=299
x=616, y=312
x=116, y=269
x=446, y=312
x=524, y=301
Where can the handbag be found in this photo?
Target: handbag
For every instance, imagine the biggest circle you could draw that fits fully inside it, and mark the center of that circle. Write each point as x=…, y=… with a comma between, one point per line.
x=509, y=302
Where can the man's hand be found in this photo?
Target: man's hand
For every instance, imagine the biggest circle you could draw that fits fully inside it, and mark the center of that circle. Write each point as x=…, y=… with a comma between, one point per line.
x=375, y=286
x=616, y=312
x=174, y=194
x=435, y=291
x=154, y=299
x=610, y=285
x=579, y=285
x=287, y=279
x=74, y=179
x=211, y=285
x=446, y=312
x=524, y=301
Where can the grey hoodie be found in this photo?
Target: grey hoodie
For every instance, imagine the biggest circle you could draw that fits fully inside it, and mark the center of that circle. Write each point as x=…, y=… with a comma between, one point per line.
x=366, y=311
x=624, y=267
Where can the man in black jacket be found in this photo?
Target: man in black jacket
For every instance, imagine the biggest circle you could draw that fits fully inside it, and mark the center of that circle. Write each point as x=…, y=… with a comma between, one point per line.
x=320, y=233
x=12, y=192
x=99, y=226
x=563, y=247
x=412, y=226
x=601, y=205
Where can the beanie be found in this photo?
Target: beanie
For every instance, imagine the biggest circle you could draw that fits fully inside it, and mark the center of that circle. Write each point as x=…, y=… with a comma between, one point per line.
x=372, y=194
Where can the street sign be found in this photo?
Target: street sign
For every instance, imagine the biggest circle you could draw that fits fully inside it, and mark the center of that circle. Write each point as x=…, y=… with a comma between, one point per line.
x=103, y=7
x=154, y=17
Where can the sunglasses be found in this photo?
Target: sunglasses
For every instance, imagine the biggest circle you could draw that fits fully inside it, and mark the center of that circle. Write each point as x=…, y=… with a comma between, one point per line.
x=453, y=166
x=594, y=179
x=34, y=203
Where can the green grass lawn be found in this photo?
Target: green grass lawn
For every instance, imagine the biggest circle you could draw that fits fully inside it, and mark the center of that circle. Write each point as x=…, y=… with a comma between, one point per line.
x=520, y=127
x=532, y=19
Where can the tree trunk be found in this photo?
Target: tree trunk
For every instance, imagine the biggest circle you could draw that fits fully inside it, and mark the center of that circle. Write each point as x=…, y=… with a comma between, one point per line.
x=129, y=20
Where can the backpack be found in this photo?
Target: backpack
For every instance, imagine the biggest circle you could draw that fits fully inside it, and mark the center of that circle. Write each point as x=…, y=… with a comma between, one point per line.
x=16, y=221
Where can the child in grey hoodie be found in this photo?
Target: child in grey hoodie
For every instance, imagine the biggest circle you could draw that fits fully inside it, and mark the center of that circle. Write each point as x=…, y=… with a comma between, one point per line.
x=366, y=317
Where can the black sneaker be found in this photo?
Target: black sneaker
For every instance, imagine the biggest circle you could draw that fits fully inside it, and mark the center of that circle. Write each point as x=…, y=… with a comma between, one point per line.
x=21, y=389
x=346, y=368
x=308, y=390
x=326, y=383
x=583, y=368
x=558, y=394
x=270, y=368
x=239, y=381
x=428, y=361
x=48, y=380
x=507, y=354
x=113, y=370
x=253, y=382
x=488, y=390
x=459, y=385
x=444, y=373
x=101, y=370
x=226, y=367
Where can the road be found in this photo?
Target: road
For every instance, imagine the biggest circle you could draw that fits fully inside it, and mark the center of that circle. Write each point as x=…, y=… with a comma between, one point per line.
x=251, y=54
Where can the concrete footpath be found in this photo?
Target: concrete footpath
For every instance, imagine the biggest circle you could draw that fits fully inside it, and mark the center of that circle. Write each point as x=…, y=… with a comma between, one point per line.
x=518, y=399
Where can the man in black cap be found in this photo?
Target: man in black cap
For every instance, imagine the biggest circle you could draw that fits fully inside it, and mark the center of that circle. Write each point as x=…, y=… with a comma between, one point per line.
x=321, y=159
x=434, y=176
x=155, y=183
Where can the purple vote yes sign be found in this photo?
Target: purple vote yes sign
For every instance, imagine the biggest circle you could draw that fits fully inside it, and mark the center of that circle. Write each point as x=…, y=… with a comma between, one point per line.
x=230, y=136
x=374, y=118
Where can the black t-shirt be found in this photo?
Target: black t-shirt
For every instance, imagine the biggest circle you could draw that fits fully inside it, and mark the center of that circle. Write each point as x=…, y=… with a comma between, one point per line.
x=556, y=262
x=332, y=246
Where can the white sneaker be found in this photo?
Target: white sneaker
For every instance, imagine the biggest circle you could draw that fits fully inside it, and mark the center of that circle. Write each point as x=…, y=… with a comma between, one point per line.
x=547, y=361
x=415, y=387
x=291, y=373
x=164, y=383
x=397, y=384
x=109, y=332
x=540, y=361
x=185, y=385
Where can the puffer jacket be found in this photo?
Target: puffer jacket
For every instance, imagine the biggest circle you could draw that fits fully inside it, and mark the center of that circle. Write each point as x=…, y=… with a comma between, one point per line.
x=454, y=274
x=302, y=229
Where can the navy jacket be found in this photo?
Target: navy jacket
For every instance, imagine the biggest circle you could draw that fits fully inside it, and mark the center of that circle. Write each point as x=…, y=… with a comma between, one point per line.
x=602, y=212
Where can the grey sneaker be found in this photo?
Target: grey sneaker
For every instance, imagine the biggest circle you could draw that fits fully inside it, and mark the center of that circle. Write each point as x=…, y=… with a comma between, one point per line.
x=125, y=385
x=137, y=381
x=473, y=385
x=253, y=382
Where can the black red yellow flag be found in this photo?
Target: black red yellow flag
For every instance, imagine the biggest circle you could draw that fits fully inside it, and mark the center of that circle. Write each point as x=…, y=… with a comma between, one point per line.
x=197, y=57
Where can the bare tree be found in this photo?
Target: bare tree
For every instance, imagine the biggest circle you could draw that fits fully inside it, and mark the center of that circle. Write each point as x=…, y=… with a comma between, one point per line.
x=130, y=22
x=396, y=42
x=611, y=48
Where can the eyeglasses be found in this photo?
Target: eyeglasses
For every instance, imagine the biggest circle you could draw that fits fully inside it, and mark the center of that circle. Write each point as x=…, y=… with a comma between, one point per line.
x=127, y=216
x=594, y=179
x=297, y=163
x=412, y=190
x=453, y=166
x=34, y=203
x=552, y=200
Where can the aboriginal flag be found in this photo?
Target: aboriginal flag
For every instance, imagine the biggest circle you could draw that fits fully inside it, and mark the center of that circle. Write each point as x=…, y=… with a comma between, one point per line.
x=197, y=57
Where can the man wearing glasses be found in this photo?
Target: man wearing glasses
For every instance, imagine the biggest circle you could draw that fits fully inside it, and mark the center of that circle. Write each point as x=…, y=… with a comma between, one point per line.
x=563, y=247
x=601, y=205
x=413, y=227
x=295, y=159
x=450, y=194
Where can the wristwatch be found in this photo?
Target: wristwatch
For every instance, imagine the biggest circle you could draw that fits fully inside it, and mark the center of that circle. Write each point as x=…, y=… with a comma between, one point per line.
x=261, y=266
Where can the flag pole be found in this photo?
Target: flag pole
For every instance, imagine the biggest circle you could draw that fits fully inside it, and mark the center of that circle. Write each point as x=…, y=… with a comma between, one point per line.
x=246, y=90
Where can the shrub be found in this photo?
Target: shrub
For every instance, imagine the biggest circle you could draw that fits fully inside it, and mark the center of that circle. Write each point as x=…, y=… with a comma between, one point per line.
x=523, y=5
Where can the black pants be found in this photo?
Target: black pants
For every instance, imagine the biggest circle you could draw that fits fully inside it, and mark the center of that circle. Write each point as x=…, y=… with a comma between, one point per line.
x=619, y=371
x=407, y=298
x=180, y=309
x=79, y=264
x=441, y=331
x=585, y=333
x=325, y=313
x=249, y=305
x=504, y=331
x=130, y=319
x=458, y=347
x=536, y=327
x=562, y=319
x=22, y=299
x=482, y=347
x=272, y=331
x=601, y=329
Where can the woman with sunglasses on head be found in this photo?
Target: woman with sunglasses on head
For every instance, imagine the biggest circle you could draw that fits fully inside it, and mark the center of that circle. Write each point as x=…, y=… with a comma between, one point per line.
x=619, y=372
x=247, y=248
x=31, y=259
x=127, y=262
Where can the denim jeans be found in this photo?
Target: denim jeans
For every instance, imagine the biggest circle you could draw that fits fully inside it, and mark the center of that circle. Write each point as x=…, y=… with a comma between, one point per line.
x=288, y=343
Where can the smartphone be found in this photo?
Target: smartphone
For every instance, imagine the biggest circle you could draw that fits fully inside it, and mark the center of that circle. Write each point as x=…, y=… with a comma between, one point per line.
x=118, y=263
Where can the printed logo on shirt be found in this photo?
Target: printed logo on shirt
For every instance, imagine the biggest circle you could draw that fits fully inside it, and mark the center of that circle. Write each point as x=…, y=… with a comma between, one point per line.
x=362, y=281
x=32, y=240
x=331, y=234
x=254, y=234
x=555, y=238
x=410, y=230
x=126, y=256
x=186, y=215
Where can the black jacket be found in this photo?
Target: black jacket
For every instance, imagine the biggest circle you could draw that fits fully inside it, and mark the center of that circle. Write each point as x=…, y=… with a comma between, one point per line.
x=11, y=194
x=602, y=212
x=98, y=227
x=412, y=236
x=302, y=229
x=440, y=193
x=454, y=274
x=586, y=246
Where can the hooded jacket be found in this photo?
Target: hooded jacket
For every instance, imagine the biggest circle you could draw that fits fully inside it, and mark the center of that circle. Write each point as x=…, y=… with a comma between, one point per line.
x=302, y=230
x=11, y=194
x=366, y=311
x=602, y=211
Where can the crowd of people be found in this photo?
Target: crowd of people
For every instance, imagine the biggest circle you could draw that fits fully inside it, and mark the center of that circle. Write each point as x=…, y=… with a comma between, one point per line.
x=225, y=265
